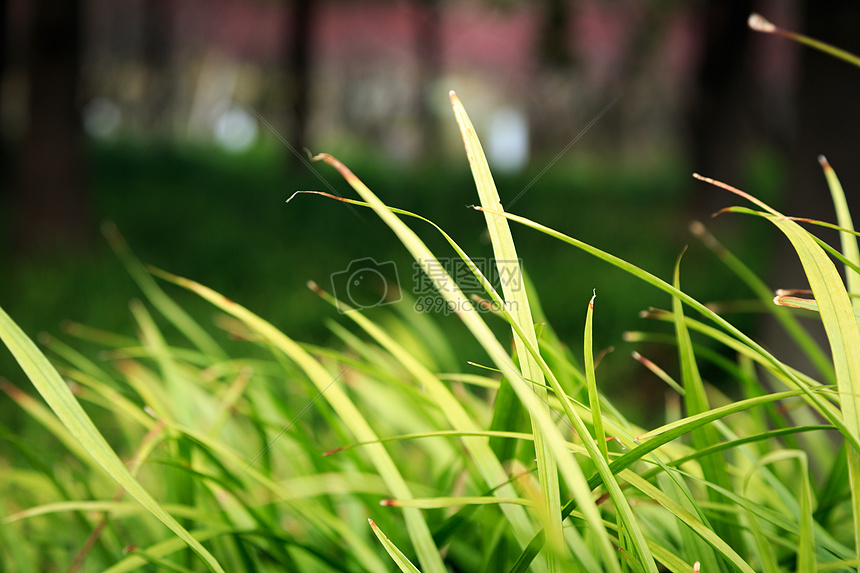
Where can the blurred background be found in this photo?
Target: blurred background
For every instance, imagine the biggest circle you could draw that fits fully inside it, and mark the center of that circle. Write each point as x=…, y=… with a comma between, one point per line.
x=188, y=123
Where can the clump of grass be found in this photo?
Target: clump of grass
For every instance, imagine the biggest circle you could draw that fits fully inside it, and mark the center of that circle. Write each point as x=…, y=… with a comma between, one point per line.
x=255, y=452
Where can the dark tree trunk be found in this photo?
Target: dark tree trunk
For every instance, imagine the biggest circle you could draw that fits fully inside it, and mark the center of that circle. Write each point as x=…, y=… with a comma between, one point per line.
x=300, y=40
x=720, y=116
x=828, y=122
x=157, y=46
x=552, y=40
x=52, y=207
x=428, y=47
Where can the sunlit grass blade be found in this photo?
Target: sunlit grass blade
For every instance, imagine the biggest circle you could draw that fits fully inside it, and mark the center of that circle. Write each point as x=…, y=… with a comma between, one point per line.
x=405, y=565
x=797, y=332
x=696, y=401
x=517, y=304
x=463, y=308
x=327, y=385
x=61, y=400
x=591, y=382
x=850, y=249
x=755, y=348
x=806, y=561
x=689, y=519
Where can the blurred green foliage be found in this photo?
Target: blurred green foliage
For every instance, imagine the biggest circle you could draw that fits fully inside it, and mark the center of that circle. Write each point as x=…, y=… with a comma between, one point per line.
x=222, y=219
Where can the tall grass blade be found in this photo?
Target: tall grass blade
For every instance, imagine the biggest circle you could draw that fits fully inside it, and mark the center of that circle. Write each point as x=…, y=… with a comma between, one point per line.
x=461, y=306
x=326, y=383
x=850, y=249
x=517, y=303
x=61, y=400
x=478, y=447
x=696, y=401
x=405, y=565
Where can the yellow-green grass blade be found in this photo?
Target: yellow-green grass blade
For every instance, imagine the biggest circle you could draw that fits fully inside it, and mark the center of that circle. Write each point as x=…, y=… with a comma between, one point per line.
x=326, y=383
x=760, y=24
x=396, y=555
x=463, y=308
x=850, y=249
x=489, y=466
x=843, y=334
x=159, y=299
x=447, y=502
x=61, y=400
x=591, y=382
x=792, y=326
x=700, y=529
x=695, y=548
x=789, y=375
x=289, y=491
x=696, y=401
x=517, y=304
x=639, y=544
x=806, y=561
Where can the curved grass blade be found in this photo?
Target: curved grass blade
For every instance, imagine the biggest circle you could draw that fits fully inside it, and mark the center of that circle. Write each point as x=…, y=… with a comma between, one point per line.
x=428, y=554
x=850, y=249
x=788, y=374
x=463, y=308
x=61, y=400
x=405, y=565
x=517, y=304
x=696, y=401
x=488, y=464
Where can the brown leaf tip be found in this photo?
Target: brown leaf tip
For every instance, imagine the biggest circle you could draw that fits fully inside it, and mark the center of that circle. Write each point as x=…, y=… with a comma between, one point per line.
x=334, y=451
x=388, y=502
x=823, y=161
x=759, y=23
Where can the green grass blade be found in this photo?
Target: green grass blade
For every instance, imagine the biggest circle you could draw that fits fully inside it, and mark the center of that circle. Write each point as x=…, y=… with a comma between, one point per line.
x=789, y=375
x=850, y=249
x=591, y=382
x=488, y=464
x=61, y=400
x=696, y=401
x=837, y=314
x=465, y=311
x=517, y=303
x=396, y=555
x=326, y=383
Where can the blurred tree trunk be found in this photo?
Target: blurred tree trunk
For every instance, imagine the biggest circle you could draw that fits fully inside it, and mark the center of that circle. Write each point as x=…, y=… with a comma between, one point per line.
x=52, y=206
x=828, y=122
x=157, y=47
x=552, y=39
x=428, y=47
x=718, y=118
x=299, y=40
